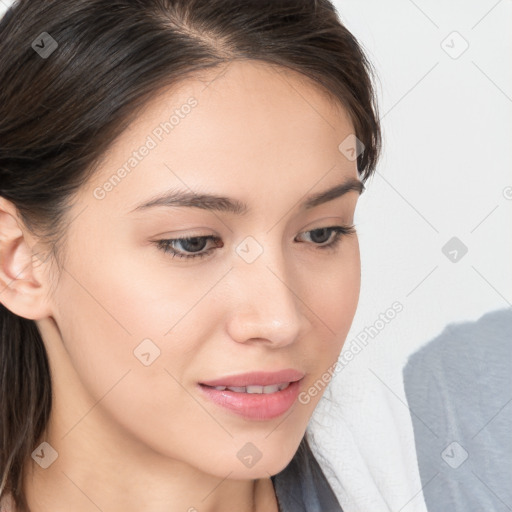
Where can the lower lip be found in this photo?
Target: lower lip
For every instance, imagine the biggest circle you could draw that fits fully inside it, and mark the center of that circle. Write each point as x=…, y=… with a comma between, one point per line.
x=255, y=406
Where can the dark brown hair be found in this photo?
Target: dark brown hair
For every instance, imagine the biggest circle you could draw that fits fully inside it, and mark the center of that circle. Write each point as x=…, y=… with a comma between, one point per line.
x=60, y=113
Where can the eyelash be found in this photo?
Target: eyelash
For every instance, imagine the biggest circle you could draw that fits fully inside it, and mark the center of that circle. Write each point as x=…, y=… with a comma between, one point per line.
x=166, y=245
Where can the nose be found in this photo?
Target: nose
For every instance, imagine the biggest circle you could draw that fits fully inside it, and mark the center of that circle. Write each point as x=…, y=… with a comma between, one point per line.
x=266, y=303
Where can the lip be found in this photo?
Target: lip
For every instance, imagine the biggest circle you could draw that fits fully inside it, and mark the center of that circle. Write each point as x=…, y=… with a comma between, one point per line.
x=256, y=378
x=254, y=406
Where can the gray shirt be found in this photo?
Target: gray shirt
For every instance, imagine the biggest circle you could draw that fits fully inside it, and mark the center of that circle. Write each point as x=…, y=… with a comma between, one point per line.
x=459, y=391
x=302, y=486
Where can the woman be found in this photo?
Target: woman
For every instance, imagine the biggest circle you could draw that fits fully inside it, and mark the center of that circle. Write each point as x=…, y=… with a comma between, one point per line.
x=179, y=266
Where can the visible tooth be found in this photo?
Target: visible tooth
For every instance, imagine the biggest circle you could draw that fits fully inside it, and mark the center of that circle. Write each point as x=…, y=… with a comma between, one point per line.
x=273, y=388
x=254, y=389
x=237, y=389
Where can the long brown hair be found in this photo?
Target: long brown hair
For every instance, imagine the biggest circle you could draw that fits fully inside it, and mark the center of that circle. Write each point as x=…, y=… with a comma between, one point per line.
x=60, y=111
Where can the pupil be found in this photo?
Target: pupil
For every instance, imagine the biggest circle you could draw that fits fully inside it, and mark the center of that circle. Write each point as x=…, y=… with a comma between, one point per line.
x=321, y=231
x=194, y=242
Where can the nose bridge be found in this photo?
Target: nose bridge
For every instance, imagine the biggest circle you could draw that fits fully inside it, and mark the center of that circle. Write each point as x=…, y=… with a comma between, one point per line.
x=266, y=305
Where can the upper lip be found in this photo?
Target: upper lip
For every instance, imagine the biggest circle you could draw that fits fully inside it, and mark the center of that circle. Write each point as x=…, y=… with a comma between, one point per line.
x=257, y=378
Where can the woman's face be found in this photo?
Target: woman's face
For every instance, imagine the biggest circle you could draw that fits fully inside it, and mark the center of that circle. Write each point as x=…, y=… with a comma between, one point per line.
x=139, y=329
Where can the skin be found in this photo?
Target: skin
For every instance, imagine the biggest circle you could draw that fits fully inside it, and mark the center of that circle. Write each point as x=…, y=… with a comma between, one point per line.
x=131, y=437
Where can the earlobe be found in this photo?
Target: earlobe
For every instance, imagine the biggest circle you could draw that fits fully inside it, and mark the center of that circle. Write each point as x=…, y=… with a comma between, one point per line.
x=22, y=285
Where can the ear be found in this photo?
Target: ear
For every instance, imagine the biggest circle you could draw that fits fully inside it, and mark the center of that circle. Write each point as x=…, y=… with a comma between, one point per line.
x=23, y=282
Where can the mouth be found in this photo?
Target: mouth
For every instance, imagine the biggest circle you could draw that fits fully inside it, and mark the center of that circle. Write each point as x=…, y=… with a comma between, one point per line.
x=253, y=389
x=254, y=402
x=256, y=379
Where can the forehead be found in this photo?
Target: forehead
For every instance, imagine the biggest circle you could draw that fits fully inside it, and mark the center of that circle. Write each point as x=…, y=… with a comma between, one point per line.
x=240, y=126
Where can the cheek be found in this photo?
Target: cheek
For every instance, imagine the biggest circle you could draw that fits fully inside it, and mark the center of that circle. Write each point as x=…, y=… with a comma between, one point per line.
x=106, y=381
x=109, y=309
x=334, y=302
x=333, y=293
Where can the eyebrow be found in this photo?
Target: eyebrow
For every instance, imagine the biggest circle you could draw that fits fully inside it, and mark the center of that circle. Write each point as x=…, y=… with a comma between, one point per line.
x=213, y=202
